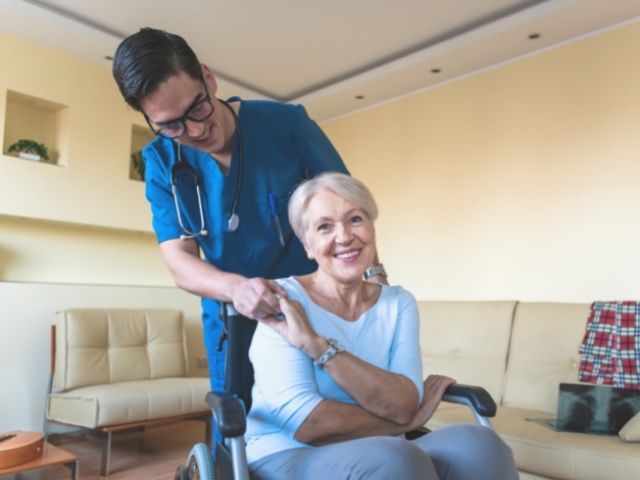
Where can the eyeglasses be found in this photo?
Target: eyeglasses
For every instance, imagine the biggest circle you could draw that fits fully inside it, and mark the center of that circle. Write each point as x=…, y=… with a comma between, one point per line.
x=199, y=111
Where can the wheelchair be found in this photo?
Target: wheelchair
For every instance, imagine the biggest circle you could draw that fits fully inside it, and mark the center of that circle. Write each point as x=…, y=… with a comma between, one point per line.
x=229, y=412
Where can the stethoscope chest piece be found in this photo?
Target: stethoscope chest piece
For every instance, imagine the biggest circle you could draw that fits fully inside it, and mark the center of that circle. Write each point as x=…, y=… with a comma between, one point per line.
x=233, y=223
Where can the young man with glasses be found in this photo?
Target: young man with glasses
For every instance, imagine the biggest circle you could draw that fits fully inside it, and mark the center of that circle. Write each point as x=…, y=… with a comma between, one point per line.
x=238, y=163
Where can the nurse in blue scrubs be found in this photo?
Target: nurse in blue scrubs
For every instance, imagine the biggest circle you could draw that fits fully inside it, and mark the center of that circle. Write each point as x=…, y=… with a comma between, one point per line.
x=218, y=177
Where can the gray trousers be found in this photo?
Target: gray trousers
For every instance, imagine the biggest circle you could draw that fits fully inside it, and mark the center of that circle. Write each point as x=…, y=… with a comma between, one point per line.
x=458, y=452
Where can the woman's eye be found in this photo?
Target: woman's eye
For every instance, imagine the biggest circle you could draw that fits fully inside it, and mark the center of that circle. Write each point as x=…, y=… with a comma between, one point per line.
x=323, y=227
x=356, y=219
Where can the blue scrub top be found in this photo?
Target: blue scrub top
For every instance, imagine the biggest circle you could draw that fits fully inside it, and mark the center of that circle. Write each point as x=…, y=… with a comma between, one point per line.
x=282, y=147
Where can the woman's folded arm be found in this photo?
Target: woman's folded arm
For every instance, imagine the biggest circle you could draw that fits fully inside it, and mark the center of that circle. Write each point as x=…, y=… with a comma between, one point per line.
x=390, y=396
x=332, y=421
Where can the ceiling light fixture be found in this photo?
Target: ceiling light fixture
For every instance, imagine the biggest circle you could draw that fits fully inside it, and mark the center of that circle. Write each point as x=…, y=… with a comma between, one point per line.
x=108, y=57
x=359, y=97
x=534, y=36
x=435, y=70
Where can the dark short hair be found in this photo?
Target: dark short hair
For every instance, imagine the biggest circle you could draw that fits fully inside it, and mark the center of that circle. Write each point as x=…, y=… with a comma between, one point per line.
x=146, y=59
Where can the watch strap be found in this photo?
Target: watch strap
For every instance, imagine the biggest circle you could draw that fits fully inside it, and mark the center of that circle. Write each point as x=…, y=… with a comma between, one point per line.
x=374, y=271
x=332, y=350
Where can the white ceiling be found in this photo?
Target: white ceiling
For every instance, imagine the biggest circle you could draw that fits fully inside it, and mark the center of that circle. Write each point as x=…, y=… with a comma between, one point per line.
x=326, y=53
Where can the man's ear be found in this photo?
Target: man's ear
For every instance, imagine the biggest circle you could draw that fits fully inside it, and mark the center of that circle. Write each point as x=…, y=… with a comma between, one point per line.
x=210, y=78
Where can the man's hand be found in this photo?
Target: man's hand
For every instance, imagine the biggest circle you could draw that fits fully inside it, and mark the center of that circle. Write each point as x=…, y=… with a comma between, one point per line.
x=256, y=298
x=434, y=388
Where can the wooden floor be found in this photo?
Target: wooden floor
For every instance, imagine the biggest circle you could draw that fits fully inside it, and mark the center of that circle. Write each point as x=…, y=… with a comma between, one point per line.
x=153, y=454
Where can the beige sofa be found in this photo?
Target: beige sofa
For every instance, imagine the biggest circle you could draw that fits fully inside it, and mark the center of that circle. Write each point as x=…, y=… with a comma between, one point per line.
x=520, y=352
x=116, y=370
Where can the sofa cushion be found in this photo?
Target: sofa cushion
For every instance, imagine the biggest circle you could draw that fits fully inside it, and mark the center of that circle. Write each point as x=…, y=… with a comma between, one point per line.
x=124, y=402
x=553, y=454
x=448, y=348
x=99, y=346
x=543, y=353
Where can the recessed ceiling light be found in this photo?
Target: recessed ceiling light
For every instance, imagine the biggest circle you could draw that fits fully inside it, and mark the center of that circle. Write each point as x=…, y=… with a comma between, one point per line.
x=534, y=36
x=435, y=70
x=108, y=57
x=359, y=97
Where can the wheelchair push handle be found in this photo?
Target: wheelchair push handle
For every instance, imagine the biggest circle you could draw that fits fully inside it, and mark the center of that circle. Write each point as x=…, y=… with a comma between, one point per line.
x=475, y=397
x=229, y=412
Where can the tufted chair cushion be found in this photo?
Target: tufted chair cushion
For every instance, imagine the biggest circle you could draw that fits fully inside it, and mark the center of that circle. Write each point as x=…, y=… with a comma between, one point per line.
x=102, y=346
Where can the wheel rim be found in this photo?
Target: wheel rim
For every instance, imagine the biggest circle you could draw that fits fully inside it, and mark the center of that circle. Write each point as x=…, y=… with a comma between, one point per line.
x=194, y=473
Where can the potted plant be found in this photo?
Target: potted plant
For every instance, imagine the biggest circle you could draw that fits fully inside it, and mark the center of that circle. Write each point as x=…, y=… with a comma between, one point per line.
x=138, y=164
x=30, y=150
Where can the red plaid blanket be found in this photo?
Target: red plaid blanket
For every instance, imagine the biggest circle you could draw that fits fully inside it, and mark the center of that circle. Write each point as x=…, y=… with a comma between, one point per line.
x=610, y=349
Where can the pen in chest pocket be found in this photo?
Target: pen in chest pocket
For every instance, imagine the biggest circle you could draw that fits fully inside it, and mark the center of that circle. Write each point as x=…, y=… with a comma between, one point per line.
x=273, y=206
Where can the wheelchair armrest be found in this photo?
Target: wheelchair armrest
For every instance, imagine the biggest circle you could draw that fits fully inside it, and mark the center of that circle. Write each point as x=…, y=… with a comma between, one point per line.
x=229, y=413
x=477, y=398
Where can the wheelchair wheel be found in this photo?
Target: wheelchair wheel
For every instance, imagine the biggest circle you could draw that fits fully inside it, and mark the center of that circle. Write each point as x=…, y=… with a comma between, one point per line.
x=182, y=473
x=199, y=465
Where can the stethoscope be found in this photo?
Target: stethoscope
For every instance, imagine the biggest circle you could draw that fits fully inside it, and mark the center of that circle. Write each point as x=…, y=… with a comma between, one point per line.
x=183, y=168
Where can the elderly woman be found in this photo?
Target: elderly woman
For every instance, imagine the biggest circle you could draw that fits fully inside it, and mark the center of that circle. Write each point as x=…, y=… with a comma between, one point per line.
x=339, y=379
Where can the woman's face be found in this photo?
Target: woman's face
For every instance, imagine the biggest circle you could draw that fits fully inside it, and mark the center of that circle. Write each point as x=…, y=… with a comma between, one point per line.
x=339, y=236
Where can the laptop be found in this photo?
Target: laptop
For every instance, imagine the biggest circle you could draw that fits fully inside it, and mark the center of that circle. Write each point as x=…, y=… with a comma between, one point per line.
x=597, y=409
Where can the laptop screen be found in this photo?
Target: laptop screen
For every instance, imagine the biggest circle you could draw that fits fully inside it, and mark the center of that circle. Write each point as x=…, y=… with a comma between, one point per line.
x=595, y=408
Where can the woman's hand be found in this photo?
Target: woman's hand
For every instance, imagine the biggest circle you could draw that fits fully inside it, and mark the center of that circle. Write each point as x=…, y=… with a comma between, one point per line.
x=295, y=327
x=434, y=388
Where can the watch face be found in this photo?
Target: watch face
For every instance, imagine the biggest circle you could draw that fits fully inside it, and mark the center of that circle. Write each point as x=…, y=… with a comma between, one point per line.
x=375, y=270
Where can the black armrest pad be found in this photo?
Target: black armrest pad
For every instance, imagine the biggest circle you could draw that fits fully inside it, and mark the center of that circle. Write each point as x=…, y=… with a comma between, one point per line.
x=476, y=397
x=229, y=413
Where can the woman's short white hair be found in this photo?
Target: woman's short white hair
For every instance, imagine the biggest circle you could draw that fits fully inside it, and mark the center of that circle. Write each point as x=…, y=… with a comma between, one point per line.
x=349, y=188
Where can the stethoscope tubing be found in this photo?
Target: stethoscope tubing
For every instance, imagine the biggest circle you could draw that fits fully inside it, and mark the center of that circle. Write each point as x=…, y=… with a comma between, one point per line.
x=234, y=220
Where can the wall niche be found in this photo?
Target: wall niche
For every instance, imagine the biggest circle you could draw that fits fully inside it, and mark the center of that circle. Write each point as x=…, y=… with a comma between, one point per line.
x=37, y=121
x=140, y=136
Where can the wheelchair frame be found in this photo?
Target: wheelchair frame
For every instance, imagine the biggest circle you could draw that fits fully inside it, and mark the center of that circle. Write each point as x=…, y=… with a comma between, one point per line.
x=230, y=415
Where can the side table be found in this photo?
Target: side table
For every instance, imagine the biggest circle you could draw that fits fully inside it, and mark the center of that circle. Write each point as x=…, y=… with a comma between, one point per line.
x=51, y=456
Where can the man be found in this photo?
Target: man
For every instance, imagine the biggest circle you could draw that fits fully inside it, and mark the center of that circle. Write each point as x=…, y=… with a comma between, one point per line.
x=218, y=178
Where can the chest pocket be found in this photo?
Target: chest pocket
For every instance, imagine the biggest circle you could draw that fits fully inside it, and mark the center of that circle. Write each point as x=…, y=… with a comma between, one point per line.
x=277, y=204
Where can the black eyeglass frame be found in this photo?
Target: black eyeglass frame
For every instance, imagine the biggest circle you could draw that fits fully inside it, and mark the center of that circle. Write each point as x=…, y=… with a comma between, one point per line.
x=161, y=127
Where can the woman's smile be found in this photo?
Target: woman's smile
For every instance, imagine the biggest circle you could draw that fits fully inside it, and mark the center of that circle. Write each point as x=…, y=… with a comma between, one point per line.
x=348, y=256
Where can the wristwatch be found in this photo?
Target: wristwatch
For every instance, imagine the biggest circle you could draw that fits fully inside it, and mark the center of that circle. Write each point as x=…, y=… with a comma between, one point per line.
x=333, y=349
x=375, y=270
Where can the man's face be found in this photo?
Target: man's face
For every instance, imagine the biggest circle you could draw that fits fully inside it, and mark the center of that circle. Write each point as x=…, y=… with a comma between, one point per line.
x=182, y=106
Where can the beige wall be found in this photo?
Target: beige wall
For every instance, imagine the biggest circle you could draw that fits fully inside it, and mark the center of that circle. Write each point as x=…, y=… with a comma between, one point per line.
x=82, y=221
x=71, y=235
x=519, y=183
x=91, y=184
x=45, y=251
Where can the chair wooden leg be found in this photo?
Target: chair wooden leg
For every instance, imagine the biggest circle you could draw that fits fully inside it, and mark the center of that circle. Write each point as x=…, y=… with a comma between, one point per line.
x=73, y=466
x=106, y=455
